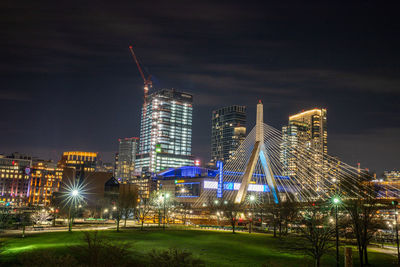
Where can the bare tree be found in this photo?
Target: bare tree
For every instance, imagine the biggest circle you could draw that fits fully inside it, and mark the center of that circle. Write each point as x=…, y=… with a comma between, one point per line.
x=124, y=204
x=117, y=214
x=127, y=203
x=229, y=208
x=288, y=213
x=25, y=219
x=143, y=209
x=364, y=223
x=55, y=206
x=184, y=209
x=5, y=218
x=316, y=232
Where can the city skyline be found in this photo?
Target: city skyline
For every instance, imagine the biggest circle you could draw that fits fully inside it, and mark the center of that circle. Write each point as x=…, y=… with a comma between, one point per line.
x=76, y=77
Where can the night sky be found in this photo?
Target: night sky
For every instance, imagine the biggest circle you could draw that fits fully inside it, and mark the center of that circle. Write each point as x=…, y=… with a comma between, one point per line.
x=68, y=81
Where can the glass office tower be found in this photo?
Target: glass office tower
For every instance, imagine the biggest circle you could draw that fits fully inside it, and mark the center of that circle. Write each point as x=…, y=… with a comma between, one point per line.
x=125, y=166
x=166, y=132
x=227, y=132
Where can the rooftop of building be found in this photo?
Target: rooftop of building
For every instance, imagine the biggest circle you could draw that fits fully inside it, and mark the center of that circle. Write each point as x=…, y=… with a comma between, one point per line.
x=173, y=94
x=307, y=113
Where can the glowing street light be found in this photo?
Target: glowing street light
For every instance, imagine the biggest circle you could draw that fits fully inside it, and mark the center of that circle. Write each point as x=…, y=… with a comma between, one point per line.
x=395, y=203
x=336, y=201
x=252, y=199
x=75, y=194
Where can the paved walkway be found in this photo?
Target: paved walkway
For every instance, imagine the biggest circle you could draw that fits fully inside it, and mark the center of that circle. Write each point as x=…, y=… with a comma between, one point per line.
x=386, y=249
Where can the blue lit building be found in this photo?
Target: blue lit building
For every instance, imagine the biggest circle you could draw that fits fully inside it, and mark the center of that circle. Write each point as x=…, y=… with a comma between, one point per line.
x=189, y=182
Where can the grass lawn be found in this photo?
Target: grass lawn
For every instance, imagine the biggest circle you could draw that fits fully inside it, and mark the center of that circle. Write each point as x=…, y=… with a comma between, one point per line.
x=214, y=247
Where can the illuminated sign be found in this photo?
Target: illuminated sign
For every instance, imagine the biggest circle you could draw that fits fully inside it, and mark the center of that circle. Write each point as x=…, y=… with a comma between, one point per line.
x=235, y=186
x=158, y=148
x=220, y=188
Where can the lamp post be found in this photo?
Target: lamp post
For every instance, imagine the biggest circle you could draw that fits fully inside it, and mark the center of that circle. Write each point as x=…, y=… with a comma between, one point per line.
x=74, y=194
x=252, y=198
x=395, y=203
x=336, y=202
x=165, y=196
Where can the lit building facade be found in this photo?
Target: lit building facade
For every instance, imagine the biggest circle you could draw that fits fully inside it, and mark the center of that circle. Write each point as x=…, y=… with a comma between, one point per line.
x=304, y=146
x=83, y=163
x=392, y=176
x=128, y=148
x=14, y=181
x=228, y=130
x=166, y=132
x=45, y=180
x=145, y=184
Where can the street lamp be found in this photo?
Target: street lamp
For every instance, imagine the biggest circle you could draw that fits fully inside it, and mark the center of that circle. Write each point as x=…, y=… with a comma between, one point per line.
x=252, y=199
x=395, y=203
x=74, y=195
x=336, y=201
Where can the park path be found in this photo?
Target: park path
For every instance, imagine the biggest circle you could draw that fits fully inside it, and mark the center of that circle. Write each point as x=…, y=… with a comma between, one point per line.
x=386, y=249
x=56, y=229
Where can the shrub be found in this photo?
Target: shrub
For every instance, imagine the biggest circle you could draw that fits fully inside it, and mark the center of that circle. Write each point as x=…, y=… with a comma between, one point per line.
x=42, y=258
x=174, y=258
x=99, y=252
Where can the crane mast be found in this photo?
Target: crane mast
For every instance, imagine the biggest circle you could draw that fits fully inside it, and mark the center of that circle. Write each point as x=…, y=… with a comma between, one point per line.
x=147, y=82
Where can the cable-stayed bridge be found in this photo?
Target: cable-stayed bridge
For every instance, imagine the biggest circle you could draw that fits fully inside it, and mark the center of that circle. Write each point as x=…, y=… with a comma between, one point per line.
x=267, y=163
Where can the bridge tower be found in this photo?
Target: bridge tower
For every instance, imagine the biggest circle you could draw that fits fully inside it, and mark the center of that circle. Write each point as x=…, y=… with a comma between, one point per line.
x=258, y=153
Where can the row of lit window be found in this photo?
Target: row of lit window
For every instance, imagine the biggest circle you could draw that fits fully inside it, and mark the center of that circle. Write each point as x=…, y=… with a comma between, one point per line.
x=11, y=170
x=14, y=176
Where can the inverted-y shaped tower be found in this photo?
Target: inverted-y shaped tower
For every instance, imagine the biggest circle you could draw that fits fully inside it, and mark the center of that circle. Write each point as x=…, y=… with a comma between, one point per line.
x=258, y=152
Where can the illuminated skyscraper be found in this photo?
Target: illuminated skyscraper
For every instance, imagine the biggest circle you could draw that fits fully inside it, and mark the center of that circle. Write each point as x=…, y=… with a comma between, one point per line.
x=165, y=131
x=304, y=145
x=228, y=130
x=128, y=148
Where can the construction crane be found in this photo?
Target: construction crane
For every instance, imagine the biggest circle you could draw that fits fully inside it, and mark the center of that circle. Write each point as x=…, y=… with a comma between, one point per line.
x=147, y=82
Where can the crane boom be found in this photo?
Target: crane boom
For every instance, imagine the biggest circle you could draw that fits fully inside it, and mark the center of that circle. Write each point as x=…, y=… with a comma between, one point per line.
x=137, y=63
x=147, y=82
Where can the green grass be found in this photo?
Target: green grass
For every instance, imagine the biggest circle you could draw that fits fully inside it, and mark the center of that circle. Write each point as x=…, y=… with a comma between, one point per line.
x=215, y=248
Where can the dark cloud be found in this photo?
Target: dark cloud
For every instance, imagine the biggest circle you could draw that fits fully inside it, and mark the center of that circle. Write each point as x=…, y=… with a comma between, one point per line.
x=68, y=80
